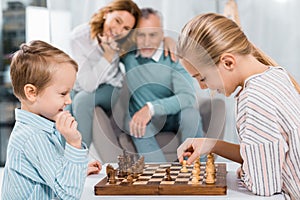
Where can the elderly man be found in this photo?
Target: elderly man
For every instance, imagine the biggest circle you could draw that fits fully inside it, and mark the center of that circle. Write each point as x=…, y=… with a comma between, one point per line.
x=162, y=96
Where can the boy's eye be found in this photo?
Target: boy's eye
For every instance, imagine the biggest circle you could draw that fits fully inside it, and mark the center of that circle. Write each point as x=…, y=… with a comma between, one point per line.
x=63, y=93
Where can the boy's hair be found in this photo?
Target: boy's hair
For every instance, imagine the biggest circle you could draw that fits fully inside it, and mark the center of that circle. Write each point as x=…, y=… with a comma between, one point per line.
x=34, y=64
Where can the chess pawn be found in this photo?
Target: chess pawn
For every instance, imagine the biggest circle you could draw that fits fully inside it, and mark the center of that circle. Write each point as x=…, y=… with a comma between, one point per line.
x=198, y=161
x=129, y=179
x=210, y=159
x=197, y=168
x=168, y=175
x=196, y=177
x=184, y=169
x=210, y=169
x=210, y=178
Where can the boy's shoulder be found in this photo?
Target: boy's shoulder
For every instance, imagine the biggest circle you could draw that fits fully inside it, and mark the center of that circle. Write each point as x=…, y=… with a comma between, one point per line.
x=30, y=127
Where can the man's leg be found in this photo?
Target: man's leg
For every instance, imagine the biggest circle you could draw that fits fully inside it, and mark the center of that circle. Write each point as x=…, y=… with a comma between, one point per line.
x=147, y=145
x=190, y=124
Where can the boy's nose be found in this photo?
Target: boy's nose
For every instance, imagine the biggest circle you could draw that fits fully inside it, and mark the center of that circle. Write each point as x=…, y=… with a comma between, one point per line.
x=68, y=99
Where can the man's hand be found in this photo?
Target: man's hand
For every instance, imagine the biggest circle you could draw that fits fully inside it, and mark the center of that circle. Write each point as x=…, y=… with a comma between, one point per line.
x=94, y=167
x=139, y=122
x=67, y=126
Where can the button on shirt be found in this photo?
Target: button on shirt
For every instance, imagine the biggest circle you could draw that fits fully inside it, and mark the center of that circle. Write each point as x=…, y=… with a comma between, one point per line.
x=37, y=166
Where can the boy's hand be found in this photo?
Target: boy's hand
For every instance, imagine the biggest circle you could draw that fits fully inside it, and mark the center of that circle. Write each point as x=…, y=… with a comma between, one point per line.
x=94, y=167
x=67, y=126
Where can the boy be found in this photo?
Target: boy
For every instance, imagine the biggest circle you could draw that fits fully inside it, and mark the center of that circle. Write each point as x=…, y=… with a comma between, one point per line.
x=38, y=166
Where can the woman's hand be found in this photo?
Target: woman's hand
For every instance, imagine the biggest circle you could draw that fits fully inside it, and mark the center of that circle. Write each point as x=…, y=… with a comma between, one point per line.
x=109, y=47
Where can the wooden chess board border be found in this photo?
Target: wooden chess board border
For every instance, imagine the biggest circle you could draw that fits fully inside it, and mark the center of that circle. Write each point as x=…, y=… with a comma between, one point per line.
x=219, y=188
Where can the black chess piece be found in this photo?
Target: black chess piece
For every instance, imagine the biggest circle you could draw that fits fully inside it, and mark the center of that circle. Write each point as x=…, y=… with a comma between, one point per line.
x=112, y=177
x=168, y=175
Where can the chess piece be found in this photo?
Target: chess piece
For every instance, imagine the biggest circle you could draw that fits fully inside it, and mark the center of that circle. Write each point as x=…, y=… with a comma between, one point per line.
x=198, y=161
x=168, y=175
x=184, y=169
x=210, y=170
x=210, y=164
x=134, y=171
x=122, y=172
x=129, y=179
x=210, y=178
x=112, y=177
x=196, y=177
x=197, y=169
x=109, y=168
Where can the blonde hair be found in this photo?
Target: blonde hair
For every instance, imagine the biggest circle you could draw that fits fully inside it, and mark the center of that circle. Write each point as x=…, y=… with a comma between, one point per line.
x=34, y=64
x=97, y=20
x=206, y=37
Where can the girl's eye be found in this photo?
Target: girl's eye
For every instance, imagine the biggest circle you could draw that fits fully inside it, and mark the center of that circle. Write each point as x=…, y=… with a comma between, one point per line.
x=197, y=76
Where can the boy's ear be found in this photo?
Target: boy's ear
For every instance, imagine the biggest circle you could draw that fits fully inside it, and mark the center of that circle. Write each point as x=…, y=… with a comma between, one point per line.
x=228, y=61
x=30, y=92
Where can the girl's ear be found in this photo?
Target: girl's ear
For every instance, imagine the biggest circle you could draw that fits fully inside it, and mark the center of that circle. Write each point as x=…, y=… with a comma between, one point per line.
x=30, y=92
x=228, y=61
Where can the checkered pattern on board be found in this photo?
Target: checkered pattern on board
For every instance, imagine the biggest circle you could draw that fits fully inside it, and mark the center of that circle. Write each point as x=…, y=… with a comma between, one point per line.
x=154, y=174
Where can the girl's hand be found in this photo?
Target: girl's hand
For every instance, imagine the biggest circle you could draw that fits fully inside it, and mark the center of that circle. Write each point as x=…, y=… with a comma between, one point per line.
x=194, y=148
x=94, y=167
x=67, y=126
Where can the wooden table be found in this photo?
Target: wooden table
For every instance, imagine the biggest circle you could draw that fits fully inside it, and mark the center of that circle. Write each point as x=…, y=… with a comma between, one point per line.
x=235, y=190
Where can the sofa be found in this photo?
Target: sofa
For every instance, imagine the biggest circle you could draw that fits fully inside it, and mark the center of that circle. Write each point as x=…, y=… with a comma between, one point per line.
x=109, y=140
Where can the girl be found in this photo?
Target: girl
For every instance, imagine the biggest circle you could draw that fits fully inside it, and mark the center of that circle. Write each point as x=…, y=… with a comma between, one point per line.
x=217, y=53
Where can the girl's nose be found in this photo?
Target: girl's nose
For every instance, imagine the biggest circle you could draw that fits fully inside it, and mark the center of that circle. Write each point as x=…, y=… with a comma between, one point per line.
x=203, y=85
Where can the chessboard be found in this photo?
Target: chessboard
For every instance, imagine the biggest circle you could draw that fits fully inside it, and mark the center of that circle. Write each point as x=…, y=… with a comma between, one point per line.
x=152, y=181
